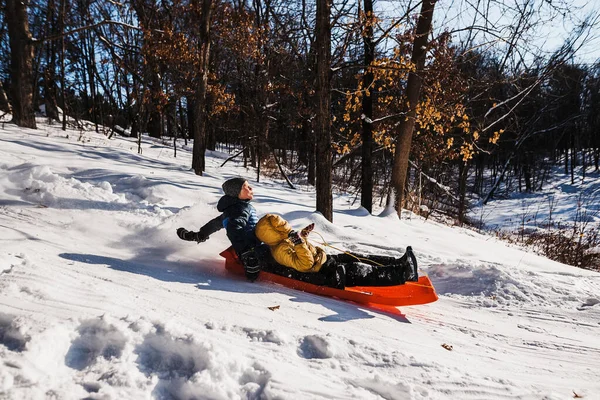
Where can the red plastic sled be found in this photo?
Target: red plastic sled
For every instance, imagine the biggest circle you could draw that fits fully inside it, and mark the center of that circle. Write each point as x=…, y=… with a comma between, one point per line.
x=409, y=294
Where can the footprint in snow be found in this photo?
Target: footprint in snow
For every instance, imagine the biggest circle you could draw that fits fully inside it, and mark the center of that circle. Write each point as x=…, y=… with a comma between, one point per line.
x=314, y=346
x=11, y=335
x=268, y=336
x=170, y=357
x=590, y=302
x=188, y=368
x=96, y=338
x=385, y=389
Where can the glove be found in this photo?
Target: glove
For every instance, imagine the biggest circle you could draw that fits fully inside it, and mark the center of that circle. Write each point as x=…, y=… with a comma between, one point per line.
x=190, y=236
x=295, y=238
x=251, y=265
x=307, y=230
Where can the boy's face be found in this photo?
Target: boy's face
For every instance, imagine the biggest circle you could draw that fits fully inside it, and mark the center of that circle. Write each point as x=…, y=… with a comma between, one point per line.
x=246, y=192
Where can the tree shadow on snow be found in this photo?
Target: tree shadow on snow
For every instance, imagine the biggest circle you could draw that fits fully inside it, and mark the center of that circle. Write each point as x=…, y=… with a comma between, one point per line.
x=93, y=152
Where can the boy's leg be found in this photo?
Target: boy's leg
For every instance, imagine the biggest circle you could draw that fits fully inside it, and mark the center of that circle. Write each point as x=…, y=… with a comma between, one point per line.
x=376, y=259
x=358, y=274
x=334, y=274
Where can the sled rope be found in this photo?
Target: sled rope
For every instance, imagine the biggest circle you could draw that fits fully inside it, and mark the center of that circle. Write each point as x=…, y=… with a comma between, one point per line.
x=418, y=284
x=345, y=252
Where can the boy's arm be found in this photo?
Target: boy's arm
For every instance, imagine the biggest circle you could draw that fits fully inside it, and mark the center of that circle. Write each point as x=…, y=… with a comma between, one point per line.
x=204, y=233
x=212, y=226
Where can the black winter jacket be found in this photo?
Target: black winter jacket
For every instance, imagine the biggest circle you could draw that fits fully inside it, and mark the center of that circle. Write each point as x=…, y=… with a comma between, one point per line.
x=239, y=220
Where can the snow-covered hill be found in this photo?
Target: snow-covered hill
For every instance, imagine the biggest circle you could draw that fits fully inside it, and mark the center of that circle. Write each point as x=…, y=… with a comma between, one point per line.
x=99, y=299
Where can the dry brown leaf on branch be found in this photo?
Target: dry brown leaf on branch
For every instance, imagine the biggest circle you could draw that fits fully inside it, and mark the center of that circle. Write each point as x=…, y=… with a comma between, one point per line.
x=273, y=308
x=447, y=346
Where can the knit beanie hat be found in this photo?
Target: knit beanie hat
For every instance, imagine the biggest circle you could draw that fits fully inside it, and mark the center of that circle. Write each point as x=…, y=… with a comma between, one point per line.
x=233, y=186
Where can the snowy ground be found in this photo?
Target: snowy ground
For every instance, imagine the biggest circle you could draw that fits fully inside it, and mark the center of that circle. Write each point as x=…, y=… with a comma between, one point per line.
x=99, y=299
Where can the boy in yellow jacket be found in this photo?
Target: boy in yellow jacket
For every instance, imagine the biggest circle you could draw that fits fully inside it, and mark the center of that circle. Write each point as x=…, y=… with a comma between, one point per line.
x=288, y=247
x=291, y=249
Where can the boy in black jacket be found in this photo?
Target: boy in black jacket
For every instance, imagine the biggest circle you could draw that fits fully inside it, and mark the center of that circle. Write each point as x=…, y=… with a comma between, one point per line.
x=239, y=220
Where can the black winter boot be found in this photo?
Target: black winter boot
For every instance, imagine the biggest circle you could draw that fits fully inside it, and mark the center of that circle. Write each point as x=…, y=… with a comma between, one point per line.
x=409, y=265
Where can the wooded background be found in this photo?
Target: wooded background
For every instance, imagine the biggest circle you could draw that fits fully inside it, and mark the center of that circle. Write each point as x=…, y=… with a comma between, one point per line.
x=389, y=101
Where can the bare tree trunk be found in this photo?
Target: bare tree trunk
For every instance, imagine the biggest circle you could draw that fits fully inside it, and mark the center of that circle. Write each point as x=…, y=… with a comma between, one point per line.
x=262, y=84
x=583, y=162
x=463, y=169
x=90, y=60
x=182, y=122
x=171, y=117
x=50, y=100
x=258, y=153
x=61, y=27
x=366, y=199
x=151, y=120
x=21, y=63
x=323, y=118
x=573, y=159
x=312, y=160
x=4, y=104
x=211, y=141
x=527, y=174
x=198, y=161
x=191, y=118
x=155, y=115
x=413, y=93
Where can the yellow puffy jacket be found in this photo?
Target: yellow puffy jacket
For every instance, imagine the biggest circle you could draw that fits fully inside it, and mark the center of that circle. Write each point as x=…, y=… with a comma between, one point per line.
x=274, y=230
